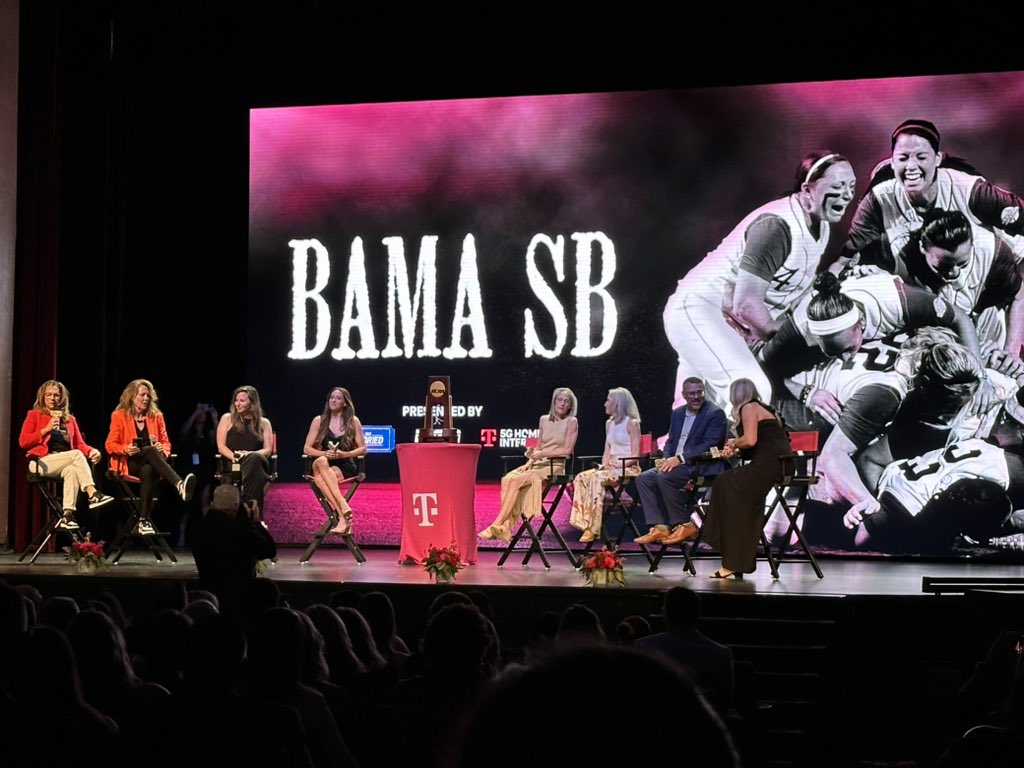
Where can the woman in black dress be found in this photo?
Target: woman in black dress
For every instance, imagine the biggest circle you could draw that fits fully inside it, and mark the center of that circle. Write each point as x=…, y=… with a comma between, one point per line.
x=736, y=515
x=335, y=439
x=244, y=432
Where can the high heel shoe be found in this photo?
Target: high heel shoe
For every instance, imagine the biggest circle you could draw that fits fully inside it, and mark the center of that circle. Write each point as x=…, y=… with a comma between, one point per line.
x=344, y=525
x=733, y=575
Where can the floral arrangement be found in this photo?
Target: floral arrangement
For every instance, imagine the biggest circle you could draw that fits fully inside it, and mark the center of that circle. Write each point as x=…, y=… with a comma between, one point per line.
x=86, y=550
x=603, y=567
x=442, y=563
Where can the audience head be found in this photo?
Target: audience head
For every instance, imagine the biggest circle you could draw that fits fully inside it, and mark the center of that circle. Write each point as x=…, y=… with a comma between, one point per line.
x=461, y=642
x=214, y=651
x=550, y=676
x=379, y=612
x=579, y=622
x=58, y=611
x=362, y=637
x=681, y=608
x=631, y=628
x=448, y=597
x=226, y=499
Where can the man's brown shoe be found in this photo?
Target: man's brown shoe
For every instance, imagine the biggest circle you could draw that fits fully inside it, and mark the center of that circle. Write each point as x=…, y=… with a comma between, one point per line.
x=653, y=535
x=681, y=533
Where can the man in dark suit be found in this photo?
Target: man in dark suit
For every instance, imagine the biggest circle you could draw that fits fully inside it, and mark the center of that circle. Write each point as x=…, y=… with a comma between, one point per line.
x=665, y=490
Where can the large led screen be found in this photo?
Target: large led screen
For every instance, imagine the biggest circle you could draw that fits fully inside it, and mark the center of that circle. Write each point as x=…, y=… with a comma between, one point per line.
x=633, y=239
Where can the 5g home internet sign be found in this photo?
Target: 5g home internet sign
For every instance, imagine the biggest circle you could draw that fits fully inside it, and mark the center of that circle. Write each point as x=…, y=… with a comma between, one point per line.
x=379, y=439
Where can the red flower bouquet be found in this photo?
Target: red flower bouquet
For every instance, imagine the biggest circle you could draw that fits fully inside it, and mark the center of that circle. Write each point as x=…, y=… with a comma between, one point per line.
x=442, y=563
x=602, y=568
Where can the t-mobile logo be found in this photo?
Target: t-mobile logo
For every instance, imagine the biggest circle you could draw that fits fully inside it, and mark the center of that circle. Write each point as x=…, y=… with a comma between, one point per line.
x=424, y=506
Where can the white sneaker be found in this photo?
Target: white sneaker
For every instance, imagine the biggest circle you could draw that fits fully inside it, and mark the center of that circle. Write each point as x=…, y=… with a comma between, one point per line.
x=187, y=487
x=67, y=523
x=145, y=528
x=99, y=499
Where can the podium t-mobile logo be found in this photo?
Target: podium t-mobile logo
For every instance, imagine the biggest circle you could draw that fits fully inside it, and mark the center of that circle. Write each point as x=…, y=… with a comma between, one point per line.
x=422, y=508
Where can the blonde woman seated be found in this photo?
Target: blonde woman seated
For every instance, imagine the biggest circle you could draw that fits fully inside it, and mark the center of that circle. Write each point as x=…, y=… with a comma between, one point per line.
x=335, y=439
x=521, y=489
x=622, y=440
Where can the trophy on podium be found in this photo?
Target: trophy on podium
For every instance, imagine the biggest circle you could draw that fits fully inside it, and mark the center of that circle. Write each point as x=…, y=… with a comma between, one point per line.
x=437, y=420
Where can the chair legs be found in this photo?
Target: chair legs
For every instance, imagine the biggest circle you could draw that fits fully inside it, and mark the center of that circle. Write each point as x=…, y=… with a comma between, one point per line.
x=332, y=521
x=49, y=489
x=526, y=530
x=136, y=526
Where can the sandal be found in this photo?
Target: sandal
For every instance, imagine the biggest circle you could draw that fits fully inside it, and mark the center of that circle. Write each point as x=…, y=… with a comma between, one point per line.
x=343, y=526
x=733, y=575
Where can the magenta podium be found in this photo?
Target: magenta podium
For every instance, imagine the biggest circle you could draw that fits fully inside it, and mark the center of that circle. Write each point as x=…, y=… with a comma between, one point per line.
x=438, y=482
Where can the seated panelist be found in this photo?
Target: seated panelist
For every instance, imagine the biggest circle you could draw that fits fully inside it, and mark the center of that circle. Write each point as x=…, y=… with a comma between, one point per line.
x=246, y=434
x=521, y=489
x=56, y=448
x=695, y=429
x=335, y=439
x=139, y=445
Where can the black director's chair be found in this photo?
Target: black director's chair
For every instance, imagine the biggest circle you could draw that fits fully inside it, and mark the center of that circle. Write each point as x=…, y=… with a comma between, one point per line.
x=622, y=500
x=699, y=499
x=137, y=525
x=799, y=473
x=50, y=489
x=554, y=487
x=332, y=516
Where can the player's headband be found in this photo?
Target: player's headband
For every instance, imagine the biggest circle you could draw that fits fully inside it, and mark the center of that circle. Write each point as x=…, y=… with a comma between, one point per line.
x=834, y=324
x=924, y=128
x=817, y=164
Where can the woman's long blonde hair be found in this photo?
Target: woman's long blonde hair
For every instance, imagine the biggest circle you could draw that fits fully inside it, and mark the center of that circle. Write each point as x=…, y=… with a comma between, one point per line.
x=625, y=405
x=132, y=389
x=65, y=398
x=741, y=392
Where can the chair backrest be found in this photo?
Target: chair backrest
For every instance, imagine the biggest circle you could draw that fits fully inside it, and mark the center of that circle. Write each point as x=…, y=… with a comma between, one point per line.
x=647, y=444
x=804, y=442
x=804, y=469
x=531, y=442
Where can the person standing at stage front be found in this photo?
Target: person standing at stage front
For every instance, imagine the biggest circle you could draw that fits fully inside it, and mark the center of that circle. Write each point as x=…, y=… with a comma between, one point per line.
x=522, y=488
x=54, y=443
x=665, y=490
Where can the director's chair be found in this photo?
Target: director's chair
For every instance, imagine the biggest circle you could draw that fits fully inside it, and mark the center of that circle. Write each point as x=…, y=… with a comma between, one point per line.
x=554, y=487
x=799, y=473
x=333, y=518
x=230, y=471
x=700, y=499
x=50, y=489
x=622, y=499
x=138, y=524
